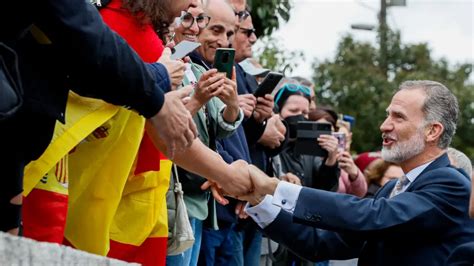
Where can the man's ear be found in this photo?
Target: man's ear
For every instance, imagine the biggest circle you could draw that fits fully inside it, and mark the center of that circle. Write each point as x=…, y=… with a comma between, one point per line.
x=433, y=133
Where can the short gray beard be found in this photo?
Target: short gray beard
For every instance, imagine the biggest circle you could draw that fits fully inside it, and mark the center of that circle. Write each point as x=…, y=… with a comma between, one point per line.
x=405, y=150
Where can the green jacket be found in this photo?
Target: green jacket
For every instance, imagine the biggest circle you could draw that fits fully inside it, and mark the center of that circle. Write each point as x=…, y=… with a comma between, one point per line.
x=196, y=203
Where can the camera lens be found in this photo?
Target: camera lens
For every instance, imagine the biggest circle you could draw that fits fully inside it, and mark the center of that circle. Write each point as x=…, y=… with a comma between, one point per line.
x=225, y=57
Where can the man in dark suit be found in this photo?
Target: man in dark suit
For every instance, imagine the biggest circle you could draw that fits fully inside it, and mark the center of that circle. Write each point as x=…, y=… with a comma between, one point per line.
x=416, y=220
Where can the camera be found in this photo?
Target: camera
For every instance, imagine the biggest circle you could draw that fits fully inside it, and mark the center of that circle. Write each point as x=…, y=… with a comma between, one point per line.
x=307, y=134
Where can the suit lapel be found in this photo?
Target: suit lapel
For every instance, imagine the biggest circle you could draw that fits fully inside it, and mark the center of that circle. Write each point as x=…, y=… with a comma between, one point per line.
x=442, y=161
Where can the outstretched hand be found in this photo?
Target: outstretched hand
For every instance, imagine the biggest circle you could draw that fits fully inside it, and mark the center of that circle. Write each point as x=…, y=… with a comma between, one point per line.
x=216, y=192
x=262, y=185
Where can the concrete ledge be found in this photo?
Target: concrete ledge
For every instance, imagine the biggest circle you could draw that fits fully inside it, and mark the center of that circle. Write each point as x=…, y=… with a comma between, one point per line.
x=24, y=251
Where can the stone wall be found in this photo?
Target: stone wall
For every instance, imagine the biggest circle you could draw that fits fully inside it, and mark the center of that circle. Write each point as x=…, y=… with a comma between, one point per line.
x=24, y=251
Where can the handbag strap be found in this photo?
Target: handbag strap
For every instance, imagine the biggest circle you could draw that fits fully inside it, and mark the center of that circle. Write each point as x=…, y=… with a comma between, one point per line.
x=178, y=188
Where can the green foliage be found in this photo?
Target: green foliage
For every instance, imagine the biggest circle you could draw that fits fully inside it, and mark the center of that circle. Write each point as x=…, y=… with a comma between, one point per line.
x=353, y=83
x=268, y=14
x=273, y=55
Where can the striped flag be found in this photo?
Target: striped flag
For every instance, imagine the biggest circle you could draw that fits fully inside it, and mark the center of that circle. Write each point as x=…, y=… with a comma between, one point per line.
x=46, y=179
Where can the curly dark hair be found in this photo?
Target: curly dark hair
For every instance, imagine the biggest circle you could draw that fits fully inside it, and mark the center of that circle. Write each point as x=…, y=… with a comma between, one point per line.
x=155, y=12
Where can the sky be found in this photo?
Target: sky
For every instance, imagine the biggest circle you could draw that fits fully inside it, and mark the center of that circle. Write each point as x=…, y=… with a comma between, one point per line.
x=316, y=26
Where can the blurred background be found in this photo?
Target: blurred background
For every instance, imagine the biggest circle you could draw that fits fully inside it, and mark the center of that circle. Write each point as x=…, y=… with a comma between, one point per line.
x=357, y=53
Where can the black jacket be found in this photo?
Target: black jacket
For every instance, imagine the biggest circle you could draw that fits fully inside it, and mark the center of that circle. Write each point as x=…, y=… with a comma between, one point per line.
x=310, y=169
x=69, y=47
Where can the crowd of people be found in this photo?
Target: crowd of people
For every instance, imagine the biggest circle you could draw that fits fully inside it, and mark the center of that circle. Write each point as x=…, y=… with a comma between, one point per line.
x=119, y=149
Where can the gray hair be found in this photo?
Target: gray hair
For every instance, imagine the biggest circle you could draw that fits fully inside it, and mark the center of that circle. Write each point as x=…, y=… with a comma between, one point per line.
x=440, y=106
x=460, y=160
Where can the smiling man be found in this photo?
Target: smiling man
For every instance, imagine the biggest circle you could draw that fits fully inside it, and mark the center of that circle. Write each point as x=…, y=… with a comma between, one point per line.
x=416, y=220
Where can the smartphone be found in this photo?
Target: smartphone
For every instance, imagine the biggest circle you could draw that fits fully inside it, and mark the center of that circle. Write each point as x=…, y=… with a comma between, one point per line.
x=184, y=48
x=268, y=84
x=307, y=134
x=224, y=60
x=341, y=140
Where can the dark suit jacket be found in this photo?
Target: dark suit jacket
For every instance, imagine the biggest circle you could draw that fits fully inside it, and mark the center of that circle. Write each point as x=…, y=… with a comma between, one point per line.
x=462, y=255
x=421, y=226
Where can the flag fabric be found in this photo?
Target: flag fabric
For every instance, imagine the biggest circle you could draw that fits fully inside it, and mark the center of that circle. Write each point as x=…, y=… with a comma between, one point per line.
x=139, y=231
x=99, y=168
x=45, y=208
x=83, y=116
x=45, y=180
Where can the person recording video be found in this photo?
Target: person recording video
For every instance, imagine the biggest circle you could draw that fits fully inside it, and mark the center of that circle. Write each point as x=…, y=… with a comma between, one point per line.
x=292, y=103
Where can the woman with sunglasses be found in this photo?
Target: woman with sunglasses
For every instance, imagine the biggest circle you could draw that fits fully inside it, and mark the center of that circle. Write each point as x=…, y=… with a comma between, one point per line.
x=213, y=103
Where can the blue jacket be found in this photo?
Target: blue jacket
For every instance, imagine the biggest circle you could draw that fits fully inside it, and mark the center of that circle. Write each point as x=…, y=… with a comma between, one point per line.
x=421, y=226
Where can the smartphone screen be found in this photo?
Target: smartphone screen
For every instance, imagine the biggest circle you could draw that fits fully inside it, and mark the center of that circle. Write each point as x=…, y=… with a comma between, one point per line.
x=183, y=48
x=341, y=140
x=268, y=84
x=224, y=60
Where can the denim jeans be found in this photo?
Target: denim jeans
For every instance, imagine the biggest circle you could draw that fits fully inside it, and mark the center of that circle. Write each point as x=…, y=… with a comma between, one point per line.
x=190, y=256
x=217, y=246
x=252, y=246
x=247, y=246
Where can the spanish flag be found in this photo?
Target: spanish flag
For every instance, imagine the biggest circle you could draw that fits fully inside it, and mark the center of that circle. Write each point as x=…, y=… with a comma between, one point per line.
x=45, y=207
x=99, y=169
x=46, y=179
x=139, y=231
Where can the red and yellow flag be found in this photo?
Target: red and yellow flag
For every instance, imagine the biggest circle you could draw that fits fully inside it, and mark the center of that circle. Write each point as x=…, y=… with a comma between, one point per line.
x=139, y=231
x=45, y=208
x=46, y=179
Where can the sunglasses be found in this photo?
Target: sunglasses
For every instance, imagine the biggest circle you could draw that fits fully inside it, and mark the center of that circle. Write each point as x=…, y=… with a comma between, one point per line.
x=292, y=88
x=187, y=20
x=243, y=15
x=248, y=32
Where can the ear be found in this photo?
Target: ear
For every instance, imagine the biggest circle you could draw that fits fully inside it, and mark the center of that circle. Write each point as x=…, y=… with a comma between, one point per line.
x=433, y=133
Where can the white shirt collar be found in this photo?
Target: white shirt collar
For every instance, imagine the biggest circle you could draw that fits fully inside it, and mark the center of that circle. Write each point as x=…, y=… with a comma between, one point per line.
x=415, y=172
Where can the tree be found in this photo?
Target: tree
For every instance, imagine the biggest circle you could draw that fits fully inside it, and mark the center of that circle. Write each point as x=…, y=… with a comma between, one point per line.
x=267, y=14
x=353, y=83
x=273, y=55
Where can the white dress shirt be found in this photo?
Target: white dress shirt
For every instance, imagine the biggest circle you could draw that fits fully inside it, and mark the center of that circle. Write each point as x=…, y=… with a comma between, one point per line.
x=285, y=197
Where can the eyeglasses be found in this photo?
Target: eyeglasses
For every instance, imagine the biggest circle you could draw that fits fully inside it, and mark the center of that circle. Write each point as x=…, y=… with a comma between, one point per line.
x=243, y=15
x=248, y=32
x=293, y=88
x=165, y=34
x=170, y=37
x=187, y=20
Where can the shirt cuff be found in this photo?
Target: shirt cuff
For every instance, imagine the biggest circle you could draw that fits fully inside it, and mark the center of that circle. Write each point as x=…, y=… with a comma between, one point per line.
x=286, y=195
x=264, y=213
x=226, y=125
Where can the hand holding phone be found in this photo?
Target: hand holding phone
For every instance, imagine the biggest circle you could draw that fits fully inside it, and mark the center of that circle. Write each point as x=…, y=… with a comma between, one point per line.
x=184, y=48
x=268, y=84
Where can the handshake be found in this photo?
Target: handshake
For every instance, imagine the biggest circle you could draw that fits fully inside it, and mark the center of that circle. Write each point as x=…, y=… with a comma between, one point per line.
x=243, y=182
